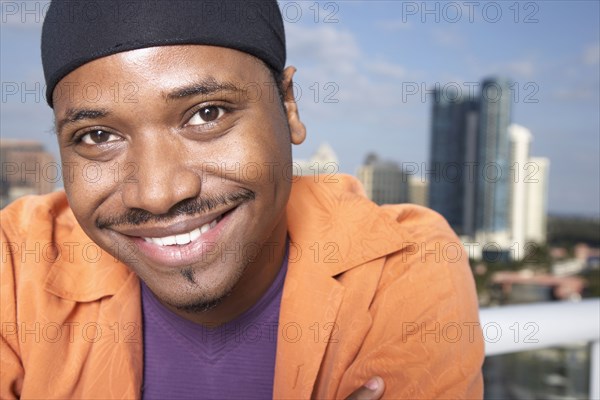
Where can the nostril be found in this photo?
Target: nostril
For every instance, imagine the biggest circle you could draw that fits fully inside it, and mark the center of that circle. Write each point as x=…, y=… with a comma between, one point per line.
x=159, y=189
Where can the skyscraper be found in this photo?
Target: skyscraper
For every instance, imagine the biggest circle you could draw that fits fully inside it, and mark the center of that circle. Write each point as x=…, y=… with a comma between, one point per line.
x=520, y=137
x=493, y=158
x=452, y=158
x=535, y=176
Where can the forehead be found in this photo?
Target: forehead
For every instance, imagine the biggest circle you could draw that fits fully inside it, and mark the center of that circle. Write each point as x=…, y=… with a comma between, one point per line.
x=156, y=71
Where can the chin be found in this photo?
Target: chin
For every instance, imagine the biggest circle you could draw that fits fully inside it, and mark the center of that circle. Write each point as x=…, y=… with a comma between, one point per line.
x=194, y=290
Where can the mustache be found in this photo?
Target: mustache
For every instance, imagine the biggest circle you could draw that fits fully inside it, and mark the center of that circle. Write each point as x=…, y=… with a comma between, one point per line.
x=191, y=207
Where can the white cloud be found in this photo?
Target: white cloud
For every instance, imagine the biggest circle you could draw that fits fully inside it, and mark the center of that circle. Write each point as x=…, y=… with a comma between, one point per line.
x=324, y=45
x=332, y=55
x=370, y=110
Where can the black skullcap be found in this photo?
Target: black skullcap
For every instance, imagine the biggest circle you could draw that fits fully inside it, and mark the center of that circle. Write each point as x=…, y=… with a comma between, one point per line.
x=78, y=31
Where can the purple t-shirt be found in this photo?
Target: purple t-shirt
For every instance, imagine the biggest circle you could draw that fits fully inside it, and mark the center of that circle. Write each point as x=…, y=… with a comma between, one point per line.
x=184, y=360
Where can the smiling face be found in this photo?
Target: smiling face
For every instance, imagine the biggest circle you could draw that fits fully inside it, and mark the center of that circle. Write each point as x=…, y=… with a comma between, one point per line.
x=177, y=160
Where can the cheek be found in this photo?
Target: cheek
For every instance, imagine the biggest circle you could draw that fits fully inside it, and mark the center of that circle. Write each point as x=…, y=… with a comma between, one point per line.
x=273, y=146
x=87, y=185
x=270, y=165
x=257, y=153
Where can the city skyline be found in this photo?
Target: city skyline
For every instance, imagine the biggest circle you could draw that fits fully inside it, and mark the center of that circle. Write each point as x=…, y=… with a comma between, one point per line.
x=366, y=72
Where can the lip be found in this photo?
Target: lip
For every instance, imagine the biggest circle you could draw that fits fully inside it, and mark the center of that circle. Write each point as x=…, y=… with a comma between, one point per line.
x=201, y=250
x=177, y=228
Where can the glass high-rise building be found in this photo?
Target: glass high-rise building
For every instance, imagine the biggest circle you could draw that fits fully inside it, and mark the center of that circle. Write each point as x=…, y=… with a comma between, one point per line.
x=453, y=158
x=493, y=156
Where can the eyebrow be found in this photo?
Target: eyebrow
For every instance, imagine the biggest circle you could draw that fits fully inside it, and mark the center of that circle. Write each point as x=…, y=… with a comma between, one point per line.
x=205, y=87
x=80, y=114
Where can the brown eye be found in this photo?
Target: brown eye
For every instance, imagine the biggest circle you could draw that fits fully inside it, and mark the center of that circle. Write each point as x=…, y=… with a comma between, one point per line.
x=98, y=137
x=209, y=113
x=205, y=115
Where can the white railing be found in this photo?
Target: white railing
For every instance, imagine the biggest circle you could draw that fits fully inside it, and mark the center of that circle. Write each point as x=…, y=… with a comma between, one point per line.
x=517, y=328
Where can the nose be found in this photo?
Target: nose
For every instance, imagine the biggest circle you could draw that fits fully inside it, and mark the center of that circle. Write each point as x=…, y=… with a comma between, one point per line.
x=161, y=177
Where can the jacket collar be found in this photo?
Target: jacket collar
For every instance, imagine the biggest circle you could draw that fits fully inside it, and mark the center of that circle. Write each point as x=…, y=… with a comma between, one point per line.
x=82, y=271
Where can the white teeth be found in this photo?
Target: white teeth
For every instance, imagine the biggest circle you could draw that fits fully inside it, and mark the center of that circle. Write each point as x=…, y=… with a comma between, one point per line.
x=183, y=238
x=195, y=234
x=169, y=240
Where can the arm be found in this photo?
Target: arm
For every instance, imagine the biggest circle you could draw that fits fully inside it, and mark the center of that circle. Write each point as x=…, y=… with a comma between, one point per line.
x=11, y=368
x=425, y=340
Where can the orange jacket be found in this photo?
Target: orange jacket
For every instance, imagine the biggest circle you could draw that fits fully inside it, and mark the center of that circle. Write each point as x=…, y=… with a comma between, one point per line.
x=369, y=291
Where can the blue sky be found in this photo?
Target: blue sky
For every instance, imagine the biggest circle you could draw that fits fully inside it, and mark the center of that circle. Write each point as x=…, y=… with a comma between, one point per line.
x=368, y=57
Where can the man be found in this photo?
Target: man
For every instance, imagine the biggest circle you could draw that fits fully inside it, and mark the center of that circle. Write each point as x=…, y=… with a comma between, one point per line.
x=184, y=260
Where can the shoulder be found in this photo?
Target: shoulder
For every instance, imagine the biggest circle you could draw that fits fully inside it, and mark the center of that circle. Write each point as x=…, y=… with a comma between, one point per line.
x=318, y=186
x=420, y=224
x=34, y=232
x=343, y=200
x=337, y=211
x=346, y=188
x=410, y=250
x=431, y=262
x=36, y=216
x=423, y=257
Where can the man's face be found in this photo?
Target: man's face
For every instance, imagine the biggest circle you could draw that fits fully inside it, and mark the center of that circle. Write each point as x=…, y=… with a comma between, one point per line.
x=177, y=160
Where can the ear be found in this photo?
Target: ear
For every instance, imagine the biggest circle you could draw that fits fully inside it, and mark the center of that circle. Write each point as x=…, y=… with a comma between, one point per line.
x=297, y=128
